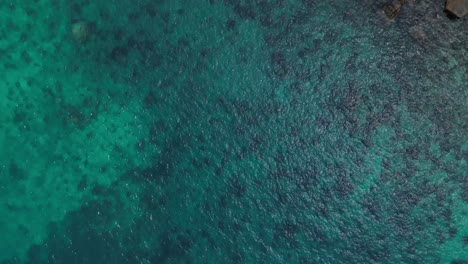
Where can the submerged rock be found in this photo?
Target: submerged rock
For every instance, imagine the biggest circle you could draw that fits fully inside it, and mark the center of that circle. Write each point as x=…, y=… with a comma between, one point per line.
x=459, y=8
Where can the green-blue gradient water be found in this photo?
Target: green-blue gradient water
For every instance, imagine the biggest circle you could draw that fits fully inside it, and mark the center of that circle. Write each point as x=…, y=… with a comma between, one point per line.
x=234, y=131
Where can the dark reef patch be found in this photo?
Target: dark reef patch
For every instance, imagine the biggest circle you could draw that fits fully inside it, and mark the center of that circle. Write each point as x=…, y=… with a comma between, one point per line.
x=279, y=64
x=244, y=12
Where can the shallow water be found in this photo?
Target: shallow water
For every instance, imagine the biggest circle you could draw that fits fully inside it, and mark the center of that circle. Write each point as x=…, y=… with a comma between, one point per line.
x=232, y=132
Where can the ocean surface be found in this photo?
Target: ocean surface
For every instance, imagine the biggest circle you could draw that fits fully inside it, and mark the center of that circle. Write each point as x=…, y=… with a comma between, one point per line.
x=232, y=131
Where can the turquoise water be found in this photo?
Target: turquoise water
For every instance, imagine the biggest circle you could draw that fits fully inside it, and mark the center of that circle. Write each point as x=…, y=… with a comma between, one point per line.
x=232, y=132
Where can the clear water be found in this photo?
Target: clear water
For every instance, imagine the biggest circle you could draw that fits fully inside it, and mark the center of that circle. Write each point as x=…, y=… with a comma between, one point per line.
x=232, y=132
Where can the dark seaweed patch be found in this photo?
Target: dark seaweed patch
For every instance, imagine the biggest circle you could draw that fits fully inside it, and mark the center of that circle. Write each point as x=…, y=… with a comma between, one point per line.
x=452, y=232
x=94, y=246
x=267, y=21
x=286, y=231
x=173, y=245
x=296, y=87
x=459, y=261
x=83, y=184
x=98, y=190
x=150, y=99
x=407, y=199
x=118, y=34
x=76, y=9
x=118, y=53
x=150, y=10
x=133, y=17
x=343, y=185
x=230, y=24
x=372, y=206
x=183, y=42
x=23, y=37
x=237, y=257
x=465, y=240
x=309, y=3
x=279, y=64
x=236, y=187
x=16, y=172
x=464, y=192
x=446, y=213
x=244, y=12
x=30, y=11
